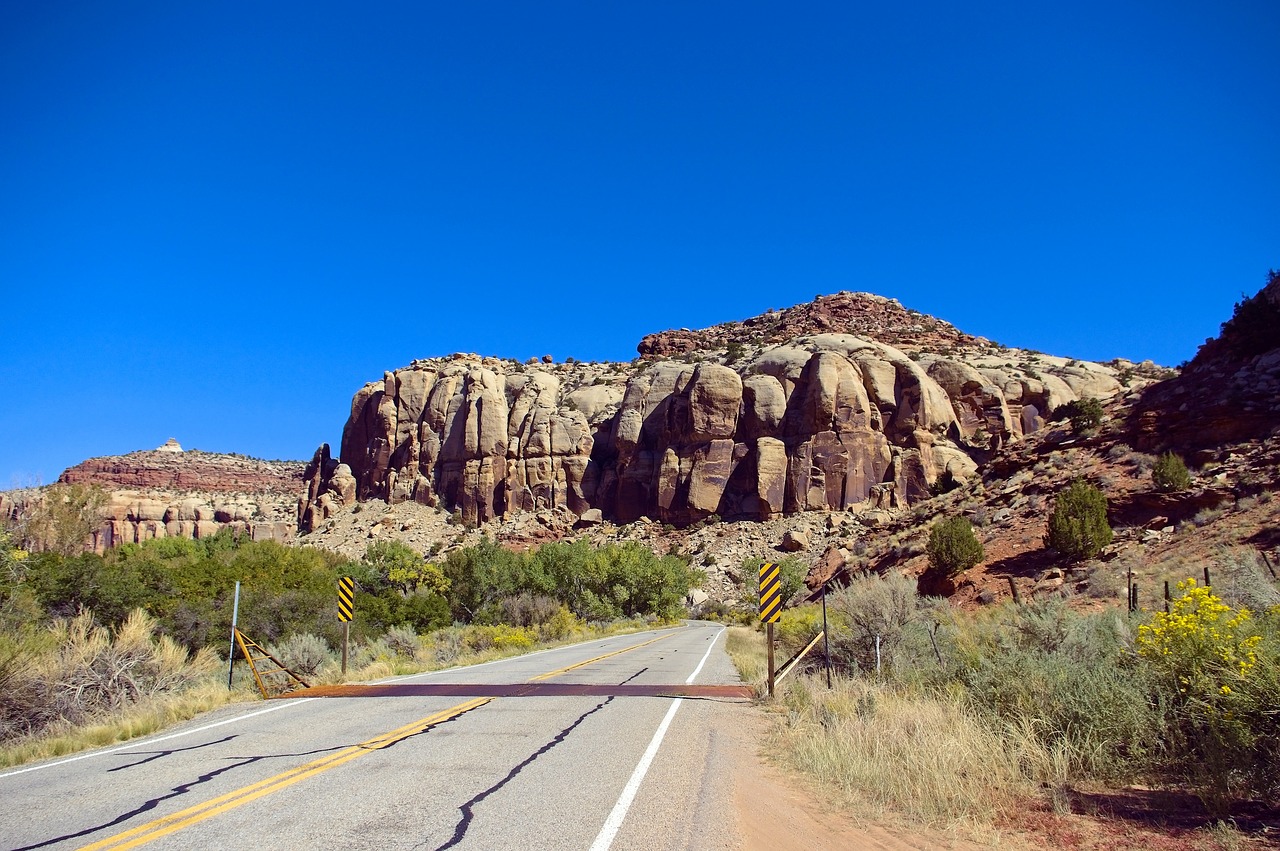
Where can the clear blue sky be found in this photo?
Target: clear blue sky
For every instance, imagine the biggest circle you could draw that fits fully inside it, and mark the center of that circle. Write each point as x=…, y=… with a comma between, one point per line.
x=218, y=221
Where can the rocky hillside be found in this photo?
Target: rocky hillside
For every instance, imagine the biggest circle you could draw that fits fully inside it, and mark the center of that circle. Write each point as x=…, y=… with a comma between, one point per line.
x=848, y=403
x=169, y=492
x=171, y=468
x=991, y=408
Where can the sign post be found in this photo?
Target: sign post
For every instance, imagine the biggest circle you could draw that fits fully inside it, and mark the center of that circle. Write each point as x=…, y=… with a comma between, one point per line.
x=770, y=607
x=346, y=607
x=235, y=617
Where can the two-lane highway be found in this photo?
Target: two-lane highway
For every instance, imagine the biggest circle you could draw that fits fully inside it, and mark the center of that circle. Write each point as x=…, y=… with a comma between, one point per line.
x=560, y=749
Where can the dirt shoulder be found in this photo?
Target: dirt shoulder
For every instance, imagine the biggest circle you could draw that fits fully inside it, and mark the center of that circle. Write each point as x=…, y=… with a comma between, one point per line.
x=775, y=813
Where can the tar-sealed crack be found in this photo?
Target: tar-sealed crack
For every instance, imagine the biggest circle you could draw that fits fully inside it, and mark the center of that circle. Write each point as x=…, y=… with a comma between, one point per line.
x=468, y=809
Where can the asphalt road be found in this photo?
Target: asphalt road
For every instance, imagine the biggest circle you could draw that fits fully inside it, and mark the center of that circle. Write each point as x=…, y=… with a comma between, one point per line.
x=534, y=771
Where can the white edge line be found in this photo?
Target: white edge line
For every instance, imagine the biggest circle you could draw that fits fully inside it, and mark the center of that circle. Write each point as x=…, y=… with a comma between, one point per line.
x=148, y=742
x=619, y=813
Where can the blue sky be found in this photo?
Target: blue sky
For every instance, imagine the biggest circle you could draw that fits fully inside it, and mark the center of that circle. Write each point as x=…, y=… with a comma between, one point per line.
x=218, y=221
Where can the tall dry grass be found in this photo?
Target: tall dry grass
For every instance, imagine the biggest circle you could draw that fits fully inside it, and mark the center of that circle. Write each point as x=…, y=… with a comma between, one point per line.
x=746, y=650
x=927, y=757
x=75, y=685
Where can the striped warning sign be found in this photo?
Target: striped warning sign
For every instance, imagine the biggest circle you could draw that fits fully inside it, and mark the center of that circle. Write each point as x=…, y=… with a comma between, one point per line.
x=346, y=596
x=770, y=593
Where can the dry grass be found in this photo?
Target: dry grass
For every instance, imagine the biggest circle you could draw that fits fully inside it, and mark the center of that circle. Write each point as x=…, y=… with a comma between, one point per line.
x=746, y=650
x=928, y=758
x=142, y=719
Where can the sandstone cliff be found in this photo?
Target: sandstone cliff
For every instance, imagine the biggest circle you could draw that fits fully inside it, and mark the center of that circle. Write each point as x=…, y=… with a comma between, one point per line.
x=851, y=402
x=169, y=492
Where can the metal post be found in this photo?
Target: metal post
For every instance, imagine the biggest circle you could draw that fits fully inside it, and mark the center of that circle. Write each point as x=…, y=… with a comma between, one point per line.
x=235, y=618
x=877, y=654
x=1206, y=576
x=769, y=639
x=346, y=637
x=826, y=634
x=1167, y=597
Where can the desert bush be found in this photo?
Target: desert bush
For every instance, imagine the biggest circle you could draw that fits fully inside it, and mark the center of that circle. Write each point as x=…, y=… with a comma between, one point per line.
x=1064, y=679
x=561, y=625
x=402, y=641
x=302, y=653
x=526, y=609
x=1169, y=473
x=1241, y=581
x=1085, y=415
x=873, y=606
x=1218, y=689
x=930, y=757
x=482, y=637
x=952, y=546
x=796, y=627
x=1078, y=526
x=75, y=671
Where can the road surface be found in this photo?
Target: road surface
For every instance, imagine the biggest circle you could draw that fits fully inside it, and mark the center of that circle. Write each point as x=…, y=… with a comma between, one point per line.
x=572, y=754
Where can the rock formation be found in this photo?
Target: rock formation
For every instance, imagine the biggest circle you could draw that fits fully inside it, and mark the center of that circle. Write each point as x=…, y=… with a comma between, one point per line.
x=1229, y=392
x=168, y=492
x=748, y=420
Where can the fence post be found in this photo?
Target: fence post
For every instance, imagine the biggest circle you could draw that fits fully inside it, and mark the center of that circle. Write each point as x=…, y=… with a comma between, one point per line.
x=826, y=633
x=1013, y=589
x=1267, y=562
x=1167, y=598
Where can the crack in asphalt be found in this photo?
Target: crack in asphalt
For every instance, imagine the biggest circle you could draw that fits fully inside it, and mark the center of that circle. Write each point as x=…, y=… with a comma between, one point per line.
x=468, y=809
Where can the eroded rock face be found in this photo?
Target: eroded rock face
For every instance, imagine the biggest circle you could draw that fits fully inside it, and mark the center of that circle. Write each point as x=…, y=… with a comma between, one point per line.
x=822, y=422
x=484, y=437
x=169, y=492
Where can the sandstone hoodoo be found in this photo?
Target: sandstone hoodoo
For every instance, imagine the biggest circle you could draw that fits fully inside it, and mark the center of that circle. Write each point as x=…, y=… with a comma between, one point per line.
x=850, y=402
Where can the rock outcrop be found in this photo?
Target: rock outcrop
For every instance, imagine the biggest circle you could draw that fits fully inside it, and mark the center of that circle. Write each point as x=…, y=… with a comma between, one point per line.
x=169, y=492
x=749, y=428
x=1229, y=392
x=170, y=468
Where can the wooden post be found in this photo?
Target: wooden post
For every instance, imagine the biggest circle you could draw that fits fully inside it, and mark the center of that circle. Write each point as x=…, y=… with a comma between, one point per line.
x=826, y=641
x=769, y=639
x=346, y=639
x=1206, y=576
x=1267, y=562
x=1133, y=597
x=1167, y=598
x=1013, y=589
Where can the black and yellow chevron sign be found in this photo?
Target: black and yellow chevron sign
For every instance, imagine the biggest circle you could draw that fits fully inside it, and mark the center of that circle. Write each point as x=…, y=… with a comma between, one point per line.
x=770, y=593
x=346, y=597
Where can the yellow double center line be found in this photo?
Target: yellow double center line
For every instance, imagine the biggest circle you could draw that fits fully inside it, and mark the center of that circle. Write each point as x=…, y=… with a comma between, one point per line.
x=152, y=830
x=185, y=818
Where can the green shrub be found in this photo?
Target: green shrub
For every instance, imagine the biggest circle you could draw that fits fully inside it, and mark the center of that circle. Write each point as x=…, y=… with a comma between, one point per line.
x=1085, y=415
x=952, y=546
x=1254, y=326
x=1170, y=473
x=1216, y=682
x=302, y=653
x=1078, y=526
x=870, y=608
